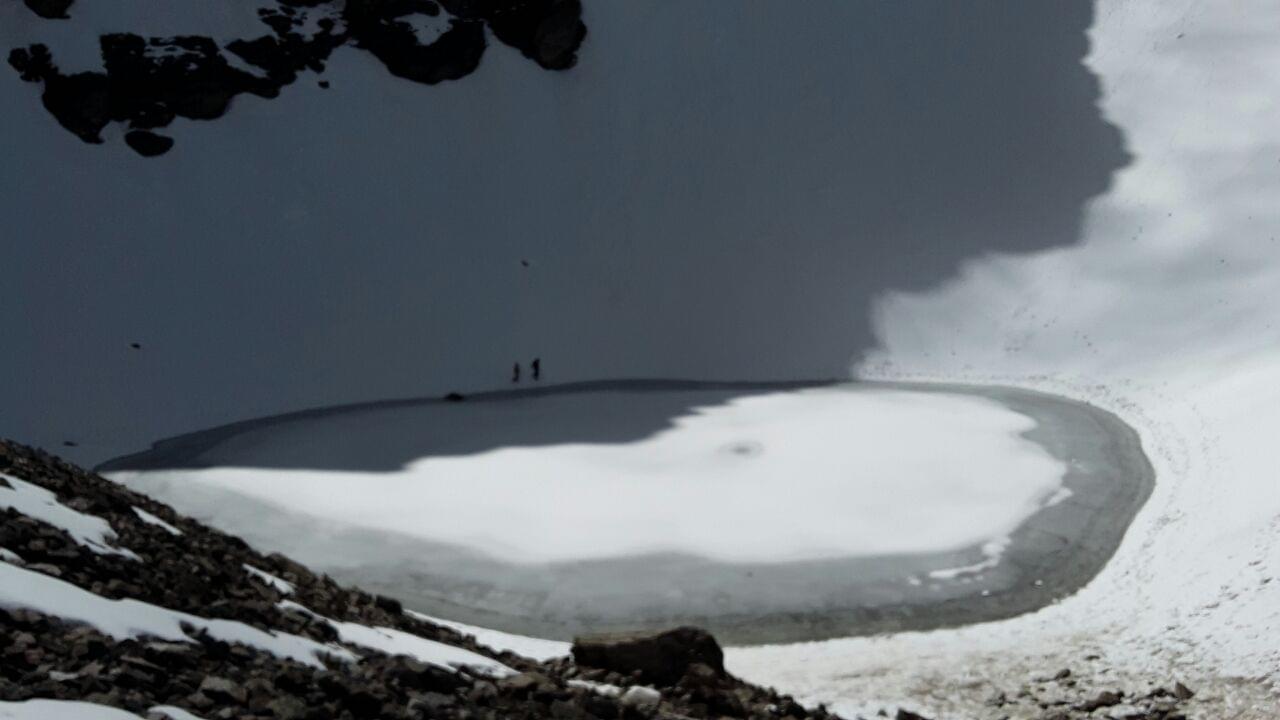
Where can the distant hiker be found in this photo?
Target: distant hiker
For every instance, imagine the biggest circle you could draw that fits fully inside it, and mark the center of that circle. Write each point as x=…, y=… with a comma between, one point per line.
x=515, y=373
x=537, y=368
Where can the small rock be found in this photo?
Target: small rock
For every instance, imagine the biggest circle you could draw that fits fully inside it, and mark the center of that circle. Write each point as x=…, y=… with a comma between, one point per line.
x=430, y=704
x=1105, y=698
x=524, y=682
x=147, y=143
x=50, y=9
x=564, y=710
x=1182, y=692
x=222, y=690
x=388, y=604
x=482, y=692
x=287, y=707
x=47, y=569
x=640, y=697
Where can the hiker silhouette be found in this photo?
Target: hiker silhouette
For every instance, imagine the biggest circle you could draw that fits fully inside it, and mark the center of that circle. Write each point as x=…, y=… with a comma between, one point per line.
x=515, y=373
x=536, y=365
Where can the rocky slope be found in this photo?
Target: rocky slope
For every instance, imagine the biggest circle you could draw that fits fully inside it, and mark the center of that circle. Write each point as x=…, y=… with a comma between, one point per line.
x=151, y=555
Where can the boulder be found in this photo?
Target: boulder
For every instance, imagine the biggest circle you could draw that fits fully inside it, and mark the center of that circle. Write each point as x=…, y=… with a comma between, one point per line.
x=222, y=690
x=660, y=658
x=50, y=9
x=147, y=143
x=645, y=699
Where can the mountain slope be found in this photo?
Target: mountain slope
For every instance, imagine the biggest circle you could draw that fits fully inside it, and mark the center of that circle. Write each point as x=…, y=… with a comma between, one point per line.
x=110, y=598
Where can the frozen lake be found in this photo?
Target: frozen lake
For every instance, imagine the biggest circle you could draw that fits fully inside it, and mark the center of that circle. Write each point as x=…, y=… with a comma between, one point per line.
x=801, y=511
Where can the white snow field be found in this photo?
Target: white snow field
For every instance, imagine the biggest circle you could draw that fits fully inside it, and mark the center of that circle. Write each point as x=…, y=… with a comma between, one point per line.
x=1168, y=314
x=806, y=475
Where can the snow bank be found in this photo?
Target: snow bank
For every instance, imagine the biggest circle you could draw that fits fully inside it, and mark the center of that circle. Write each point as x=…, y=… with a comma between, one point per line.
x=606, y=689
x=150, y=519
x=40, y=504
x=397, y=642
x=284, y=586
x=530, y=647
x=73, y=710
x=61, y=710
x=129, y=618
x=710, y=485
x=172, y=713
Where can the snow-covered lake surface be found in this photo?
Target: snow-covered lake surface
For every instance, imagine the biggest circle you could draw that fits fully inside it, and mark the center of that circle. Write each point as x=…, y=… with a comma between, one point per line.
x=786, y=476
x=765, y=511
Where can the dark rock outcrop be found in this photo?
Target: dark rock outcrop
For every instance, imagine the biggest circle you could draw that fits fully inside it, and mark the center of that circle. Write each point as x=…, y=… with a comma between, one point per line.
x=147, y=143
x=659, y=658
x=546, y=31
x=147, y=82
x=49, y=9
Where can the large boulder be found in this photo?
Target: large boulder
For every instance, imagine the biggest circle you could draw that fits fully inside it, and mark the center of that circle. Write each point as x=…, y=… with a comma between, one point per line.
x=660, y=658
